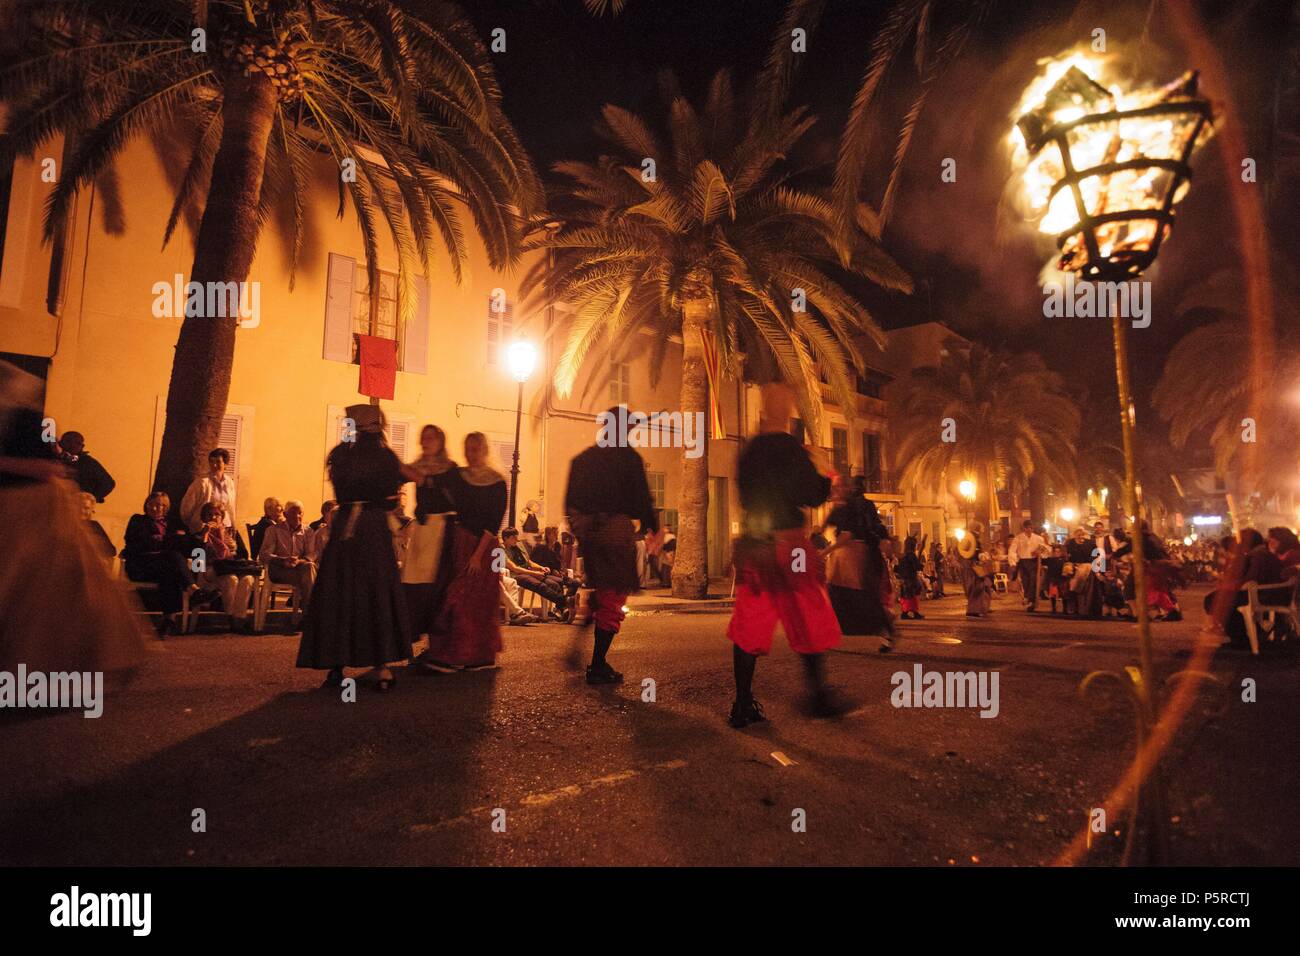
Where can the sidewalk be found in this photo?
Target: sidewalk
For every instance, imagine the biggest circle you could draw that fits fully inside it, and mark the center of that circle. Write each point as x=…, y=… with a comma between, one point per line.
x=661, y=599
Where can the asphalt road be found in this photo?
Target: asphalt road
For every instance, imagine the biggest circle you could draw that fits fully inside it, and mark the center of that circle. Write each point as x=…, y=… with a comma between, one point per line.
x=286, y=773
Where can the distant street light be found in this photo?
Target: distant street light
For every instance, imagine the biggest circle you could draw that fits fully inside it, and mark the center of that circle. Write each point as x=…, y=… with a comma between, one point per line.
x=1067, y=515
x=521, y=359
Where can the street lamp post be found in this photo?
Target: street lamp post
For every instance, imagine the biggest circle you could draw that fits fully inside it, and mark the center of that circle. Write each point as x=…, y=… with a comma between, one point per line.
x=1102, y=172
x=521, y=358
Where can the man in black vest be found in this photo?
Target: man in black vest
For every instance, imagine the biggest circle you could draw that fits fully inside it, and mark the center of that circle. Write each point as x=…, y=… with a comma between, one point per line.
x=607, y=492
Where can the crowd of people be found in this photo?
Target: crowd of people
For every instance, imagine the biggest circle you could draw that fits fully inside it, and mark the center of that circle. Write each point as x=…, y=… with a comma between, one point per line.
x=372, y=584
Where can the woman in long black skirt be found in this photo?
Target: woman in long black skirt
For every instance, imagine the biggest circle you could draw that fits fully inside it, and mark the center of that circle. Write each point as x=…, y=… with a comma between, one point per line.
x=358, y=616
x=429, y=566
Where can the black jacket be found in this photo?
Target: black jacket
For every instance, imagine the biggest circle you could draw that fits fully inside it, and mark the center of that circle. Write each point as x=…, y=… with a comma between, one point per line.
x=610, y=481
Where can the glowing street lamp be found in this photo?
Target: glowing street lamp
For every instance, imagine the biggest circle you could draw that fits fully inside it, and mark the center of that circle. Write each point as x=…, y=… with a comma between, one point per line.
x=521, y=359
x=1067, y=515
x=967, y=489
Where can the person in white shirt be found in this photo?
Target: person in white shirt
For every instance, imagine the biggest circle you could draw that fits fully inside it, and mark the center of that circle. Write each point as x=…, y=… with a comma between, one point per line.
x=216, y=487
x=288, y=552
x=1025, y=555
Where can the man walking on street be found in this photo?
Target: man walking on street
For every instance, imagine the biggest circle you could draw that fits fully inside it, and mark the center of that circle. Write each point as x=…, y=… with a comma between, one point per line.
x=608, y=492
x=1026, y=553
x=779, y=574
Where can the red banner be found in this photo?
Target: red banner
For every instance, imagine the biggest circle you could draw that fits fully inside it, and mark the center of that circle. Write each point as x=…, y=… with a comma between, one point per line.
x=378, y=366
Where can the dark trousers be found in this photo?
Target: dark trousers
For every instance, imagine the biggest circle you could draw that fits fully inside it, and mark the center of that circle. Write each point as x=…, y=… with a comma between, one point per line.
x=547, y=590
x=1027, y=572
x=168, y=570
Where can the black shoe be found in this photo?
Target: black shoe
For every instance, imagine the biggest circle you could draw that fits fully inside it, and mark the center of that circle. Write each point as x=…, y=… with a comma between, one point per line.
x=742, y=715
x=603, y=674
x=334, y=678
x=1174, y=616
x=826, y=704
x=918, y=616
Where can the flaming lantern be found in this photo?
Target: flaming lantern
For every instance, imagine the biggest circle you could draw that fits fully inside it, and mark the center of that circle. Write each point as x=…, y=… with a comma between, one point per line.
x=1102, y=171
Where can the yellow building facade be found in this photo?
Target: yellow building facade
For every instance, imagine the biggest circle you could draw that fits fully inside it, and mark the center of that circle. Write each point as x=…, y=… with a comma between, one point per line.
x=82, y=316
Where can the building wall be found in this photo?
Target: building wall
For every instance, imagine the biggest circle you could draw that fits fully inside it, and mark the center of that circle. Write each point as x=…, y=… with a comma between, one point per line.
x=111, y=358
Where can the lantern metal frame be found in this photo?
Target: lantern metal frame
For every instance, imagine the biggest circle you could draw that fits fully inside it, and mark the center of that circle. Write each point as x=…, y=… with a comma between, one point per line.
x=1126, y=263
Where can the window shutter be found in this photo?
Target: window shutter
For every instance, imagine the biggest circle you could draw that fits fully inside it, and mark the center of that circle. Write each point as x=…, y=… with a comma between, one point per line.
x=232, y=429
x=415, y=344
x=498, y=330
x=338, y=308
x=398, y=433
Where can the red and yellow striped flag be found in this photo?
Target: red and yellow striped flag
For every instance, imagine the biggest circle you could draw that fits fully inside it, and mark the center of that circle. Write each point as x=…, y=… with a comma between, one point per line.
x=713, y=371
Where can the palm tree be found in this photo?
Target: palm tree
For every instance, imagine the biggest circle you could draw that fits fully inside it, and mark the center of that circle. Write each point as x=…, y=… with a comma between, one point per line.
x=1205, y=389
x=715, y=240
x=1013, y=419
x=252, y=90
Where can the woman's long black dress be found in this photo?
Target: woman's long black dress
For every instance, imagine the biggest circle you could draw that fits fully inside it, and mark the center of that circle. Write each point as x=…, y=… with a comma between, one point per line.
x=425, y=601
x=357, y=616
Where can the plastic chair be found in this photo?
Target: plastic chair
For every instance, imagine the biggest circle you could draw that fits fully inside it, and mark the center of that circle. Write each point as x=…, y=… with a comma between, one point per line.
x=1255, y=613
x=264, y=596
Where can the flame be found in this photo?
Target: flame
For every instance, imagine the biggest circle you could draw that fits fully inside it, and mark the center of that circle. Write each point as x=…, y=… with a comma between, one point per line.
x=1092, y=144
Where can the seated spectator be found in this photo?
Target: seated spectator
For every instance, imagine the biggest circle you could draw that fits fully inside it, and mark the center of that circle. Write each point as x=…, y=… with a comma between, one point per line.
x=288, y=553
x=1284, y=543
x=216, y=487
x=321, y=529
x=547, y=554
x=91, y=477
x=272, y=514
x=1251, y=561
x=327, y=510
x=667, y=555
x=533, y=577
x=568, y=553
x=157, y=550
x=96, y=530
x=226, y=565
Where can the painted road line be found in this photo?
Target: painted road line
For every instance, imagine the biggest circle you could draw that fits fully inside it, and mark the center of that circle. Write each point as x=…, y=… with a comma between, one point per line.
x=547, y=797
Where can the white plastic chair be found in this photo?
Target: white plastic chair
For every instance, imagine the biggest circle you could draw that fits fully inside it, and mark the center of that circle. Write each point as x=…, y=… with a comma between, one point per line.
x=264, y=596
x=1255, y=613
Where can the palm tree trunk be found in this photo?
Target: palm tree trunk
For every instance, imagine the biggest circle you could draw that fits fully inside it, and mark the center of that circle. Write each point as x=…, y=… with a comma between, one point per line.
x=691, y=565
x=223, y=252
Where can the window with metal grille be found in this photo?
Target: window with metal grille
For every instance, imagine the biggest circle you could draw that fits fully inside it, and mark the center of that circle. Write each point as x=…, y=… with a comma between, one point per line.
x=620, y=383
x=384, y=324
x=500, y=321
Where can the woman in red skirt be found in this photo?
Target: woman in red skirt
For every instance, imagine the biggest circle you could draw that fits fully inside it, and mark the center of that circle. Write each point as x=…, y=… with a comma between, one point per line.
x=470, y=637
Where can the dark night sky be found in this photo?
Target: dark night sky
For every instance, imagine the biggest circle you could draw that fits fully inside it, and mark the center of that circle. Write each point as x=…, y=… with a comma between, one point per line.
x=562, y=65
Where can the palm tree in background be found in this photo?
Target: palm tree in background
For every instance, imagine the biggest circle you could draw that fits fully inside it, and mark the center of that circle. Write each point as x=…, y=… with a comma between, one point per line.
x=1013, y=420
x=1204, y=394
x=690, y=226
x=253, y=91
